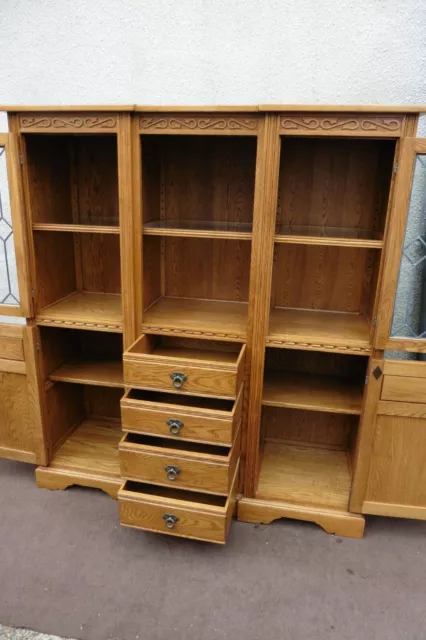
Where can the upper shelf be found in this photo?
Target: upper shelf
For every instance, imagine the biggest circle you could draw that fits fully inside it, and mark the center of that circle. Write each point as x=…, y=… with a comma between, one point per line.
x=85, y=310
x=191, y=316
x=329, y=236
x=84, y=225
x=199, y=229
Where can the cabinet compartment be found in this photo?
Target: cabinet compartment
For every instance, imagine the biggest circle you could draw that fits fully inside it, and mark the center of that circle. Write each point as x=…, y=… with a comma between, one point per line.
x=72, y=180
x=334, y=189
x=175, y=512
x=83, y=423
x=196, y=286
x=198, y=185
x=185, y=418
x=184, y=465
x=186, y=366
x=323, y=294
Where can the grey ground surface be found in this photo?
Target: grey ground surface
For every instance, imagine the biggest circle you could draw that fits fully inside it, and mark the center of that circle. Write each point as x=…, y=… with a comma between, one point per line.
x=68, y=568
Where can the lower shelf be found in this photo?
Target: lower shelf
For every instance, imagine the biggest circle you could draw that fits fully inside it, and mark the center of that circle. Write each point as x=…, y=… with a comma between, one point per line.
x=84, y=310
x=304, y=483
x=190, y=316
x=89, y=457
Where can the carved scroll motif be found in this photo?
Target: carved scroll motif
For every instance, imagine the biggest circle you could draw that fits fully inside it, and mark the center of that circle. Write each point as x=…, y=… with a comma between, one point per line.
x=340, y=124
x=204, y=124
x=54, y=122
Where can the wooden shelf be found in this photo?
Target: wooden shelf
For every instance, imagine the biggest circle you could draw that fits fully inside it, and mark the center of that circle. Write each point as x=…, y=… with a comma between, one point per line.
x=328, y=236
x=319, y=330
x=84, y=310
x=191, y=316
x=312, y=392
x=77, y=228
x=199, y=229
x=108, y=373
x=89, y=457
x=305, y=476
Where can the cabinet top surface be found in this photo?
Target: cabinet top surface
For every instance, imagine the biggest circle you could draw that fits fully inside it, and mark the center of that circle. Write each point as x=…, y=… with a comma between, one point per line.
x=220, y=108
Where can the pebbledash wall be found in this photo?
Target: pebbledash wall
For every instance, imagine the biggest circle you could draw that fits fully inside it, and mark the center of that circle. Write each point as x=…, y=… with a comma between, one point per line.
x=209, y=52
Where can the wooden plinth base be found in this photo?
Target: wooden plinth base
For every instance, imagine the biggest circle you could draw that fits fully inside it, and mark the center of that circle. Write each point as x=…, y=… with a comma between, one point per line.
x=341, y=523
x=47, y=478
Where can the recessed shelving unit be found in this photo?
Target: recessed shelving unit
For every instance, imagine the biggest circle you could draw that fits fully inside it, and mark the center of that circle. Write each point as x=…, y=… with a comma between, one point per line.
x=197, y=203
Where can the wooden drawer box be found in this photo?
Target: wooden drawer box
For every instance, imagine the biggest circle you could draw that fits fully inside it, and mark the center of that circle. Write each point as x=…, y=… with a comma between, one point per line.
x=182, y=417
x=177, y=513
x=185, y=465
x=179, y=365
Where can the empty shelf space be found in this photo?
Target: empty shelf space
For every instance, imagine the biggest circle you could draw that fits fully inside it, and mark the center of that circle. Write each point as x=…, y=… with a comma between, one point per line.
x=108, y=373
x=202, y=317
x=199, y=229
x=77, y=228
x=316, y=329
x=98, y=311
x=307, y=476
x=330, y=236
x=312, y=392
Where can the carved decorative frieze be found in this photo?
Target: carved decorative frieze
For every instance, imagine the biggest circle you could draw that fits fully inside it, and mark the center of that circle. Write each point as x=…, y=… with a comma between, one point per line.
x=335, y=124
x=193, y=333
x=67, y=123
x=174, y=124
x=290, y=344
x=95, y=326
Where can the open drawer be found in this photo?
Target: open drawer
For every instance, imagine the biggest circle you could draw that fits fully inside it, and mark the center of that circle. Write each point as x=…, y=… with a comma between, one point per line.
x=181, y=417
x=177, y=513
x=179, y=365
x=186, y=465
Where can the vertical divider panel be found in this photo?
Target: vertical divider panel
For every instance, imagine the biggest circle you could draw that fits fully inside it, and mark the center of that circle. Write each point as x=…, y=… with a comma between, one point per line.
x=128, y=229
x=265, y=203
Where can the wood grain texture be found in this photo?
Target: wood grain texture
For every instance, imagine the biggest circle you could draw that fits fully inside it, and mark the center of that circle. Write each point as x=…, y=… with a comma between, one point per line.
x=205, y=468
x=95, y=311
x=307, y=476
x=200, y=516
x=89, y=457
x=323, y=278
x=107, y=373
x=398, y=463
x=404, y=389
x=206, y=420
x=339, y=523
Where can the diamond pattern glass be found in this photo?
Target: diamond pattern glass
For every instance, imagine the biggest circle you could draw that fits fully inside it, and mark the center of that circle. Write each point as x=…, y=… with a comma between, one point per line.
x=409, y=316
x=9, y=293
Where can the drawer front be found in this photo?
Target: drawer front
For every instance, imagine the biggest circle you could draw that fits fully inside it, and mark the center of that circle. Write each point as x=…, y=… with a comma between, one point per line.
x=221, y=383
x=177, y=517
x=404, y=389
x=179, y=469
x=180, y=422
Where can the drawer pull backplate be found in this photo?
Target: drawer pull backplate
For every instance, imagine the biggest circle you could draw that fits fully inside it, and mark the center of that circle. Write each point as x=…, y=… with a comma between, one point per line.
x=170, y=520
x=172, y=472
x=175, y=426
x=178, y=379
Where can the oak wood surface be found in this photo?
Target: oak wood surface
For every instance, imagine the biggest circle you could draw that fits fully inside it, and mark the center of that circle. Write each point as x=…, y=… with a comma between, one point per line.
x=105, y=373
x=96, y=311
x=404, y=389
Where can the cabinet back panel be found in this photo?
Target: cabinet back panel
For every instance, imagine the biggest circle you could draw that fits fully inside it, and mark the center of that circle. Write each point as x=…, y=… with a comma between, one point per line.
x=103, y=402
x=323, y=278
x=203, y=177
x=100, y=262
x=152, y=272
x=64, y=410
x=316, y=362
x=316, y=428
x=55, y=266
x=206, y=268
x=96, y=177
x=152, y=194
x=334, y=183
x=49, y=182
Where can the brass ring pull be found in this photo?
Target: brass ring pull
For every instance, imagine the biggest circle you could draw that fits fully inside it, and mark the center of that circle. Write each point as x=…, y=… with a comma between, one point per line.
x=172, y=472
x=170, y=520
x=175, y=426
x=178, y=379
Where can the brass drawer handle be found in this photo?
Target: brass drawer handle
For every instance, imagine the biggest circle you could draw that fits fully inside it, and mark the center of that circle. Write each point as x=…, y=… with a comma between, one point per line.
x=170, y=520
x=172, y=472
x=178, y=379
x=175, y=426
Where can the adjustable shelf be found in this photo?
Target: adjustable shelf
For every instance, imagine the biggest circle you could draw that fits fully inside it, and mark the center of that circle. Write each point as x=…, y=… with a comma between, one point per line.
x=312, y=392
x=78, y=228
x=216, y=318
x=328, y=236
x=85, y=310
x=199, y=229
x=102, y=373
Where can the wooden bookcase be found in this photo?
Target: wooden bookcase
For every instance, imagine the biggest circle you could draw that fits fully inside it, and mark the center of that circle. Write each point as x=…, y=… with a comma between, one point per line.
x=212, y=294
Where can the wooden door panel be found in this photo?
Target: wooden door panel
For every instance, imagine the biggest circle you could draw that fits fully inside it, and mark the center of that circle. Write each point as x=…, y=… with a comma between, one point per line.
x=21, y=432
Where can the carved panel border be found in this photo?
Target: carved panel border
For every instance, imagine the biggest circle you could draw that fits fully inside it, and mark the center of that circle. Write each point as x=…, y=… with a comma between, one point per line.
x=94, y=326
x=342, y=125
x=289, y=344
x=193, y=333
x=68, y=123
x=205, y=124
